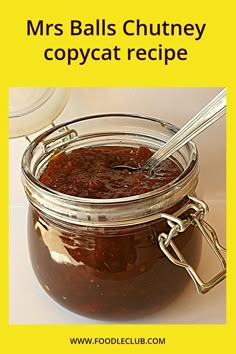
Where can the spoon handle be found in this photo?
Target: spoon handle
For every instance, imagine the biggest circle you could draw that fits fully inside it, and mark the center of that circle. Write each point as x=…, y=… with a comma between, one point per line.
x=214, y=110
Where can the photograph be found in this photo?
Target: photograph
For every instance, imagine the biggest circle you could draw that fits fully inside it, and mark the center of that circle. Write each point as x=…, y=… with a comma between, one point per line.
x=117, y=205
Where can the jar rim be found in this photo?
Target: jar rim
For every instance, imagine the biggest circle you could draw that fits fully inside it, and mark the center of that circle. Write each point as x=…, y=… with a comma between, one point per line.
x=34, y=187
x=162, y=189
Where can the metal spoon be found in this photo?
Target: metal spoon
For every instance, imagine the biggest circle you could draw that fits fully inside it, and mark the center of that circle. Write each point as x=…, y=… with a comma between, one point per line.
x=214, y=110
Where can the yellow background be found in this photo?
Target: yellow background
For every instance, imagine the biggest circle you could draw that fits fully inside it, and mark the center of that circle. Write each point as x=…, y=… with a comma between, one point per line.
x=210, y=63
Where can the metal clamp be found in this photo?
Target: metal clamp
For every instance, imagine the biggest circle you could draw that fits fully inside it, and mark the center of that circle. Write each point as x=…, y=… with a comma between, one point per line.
x=176, y=226
x=64, y=135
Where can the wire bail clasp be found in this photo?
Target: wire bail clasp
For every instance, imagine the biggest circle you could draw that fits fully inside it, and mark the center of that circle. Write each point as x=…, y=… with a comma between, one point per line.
x=178, y=225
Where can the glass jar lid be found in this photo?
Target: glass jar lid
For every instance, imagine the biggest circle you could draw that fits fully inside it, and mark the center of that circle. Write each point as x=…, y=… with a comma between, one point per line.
x=33, y=108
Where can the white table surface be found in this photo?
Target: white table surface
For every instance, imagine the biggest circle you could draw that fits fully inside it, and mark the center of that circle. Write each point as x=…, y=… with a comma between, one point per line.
x=28, y=303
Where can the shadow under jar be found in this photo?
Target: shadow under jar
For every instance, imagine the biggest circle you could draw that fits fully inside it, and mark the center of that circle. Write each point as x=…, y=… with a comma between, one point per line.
x=114, y=258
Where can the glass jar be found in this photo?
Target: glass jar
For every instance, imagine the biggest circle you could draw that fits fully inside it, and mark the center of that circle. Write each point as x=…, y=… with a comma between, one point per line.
x=116, y=258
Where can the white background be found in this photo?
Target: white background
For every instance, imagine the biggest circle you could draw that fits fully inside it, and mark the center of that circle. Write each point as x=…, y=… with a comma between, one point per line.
x=29, y=303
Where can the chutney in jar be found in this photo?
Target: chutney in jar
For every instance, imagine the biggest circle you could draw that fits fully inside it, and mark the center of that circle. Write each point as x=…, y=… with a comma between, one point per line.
x=114, y=272
x=89, y=172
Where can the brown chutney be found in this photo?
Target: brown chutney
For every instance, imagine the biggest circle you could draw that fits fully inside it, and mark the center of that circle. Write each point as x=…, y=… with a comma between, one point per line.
x=114, y=272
